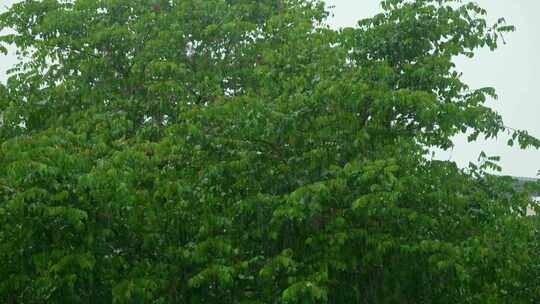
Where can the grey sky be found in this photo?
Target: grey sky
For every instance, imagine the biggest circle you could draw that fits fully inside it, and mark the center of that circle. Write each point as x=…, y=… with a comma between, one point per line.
x=514, y=70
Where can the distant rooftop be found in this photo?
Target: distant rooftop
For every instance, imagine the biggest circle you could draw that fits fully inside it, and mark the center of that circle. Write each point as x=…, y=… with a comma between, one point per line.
x=526, y=179
x=522, y=180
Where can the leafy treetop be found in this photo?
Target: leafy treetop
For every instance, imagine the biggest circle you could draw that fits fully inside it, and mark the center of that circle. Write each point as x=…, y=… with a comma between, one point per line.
x=239, y=151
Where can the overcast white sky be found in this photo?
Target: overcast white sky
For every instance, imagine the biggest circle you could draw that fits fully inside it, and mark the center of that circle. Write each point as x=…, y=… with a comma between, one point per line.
x=514, y=70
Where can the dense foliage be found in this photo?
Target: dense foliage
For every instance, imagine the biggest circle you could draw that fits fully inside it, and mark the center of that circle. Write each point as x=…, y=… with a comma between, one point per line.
x=240, y=151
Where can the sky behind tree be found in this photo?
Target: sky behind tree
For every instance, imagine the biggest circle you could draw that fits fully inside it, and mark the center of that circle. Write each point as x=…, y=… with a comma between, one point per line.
x=514, y=70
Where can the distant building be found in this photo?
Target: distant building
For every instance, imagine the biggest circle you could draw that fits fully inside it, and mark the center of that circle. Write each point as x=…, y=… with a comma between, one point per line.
x=520, y=181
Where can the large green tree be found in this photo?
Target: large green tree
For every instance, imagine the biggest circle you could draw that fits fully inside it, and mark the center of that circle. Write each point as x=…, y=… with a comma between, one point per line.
x=240, y=151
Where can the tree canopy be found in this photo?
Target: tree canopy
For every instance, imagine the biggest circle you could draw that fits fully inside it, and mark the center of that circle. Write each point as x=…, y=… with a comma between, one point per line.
x=240, y=151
